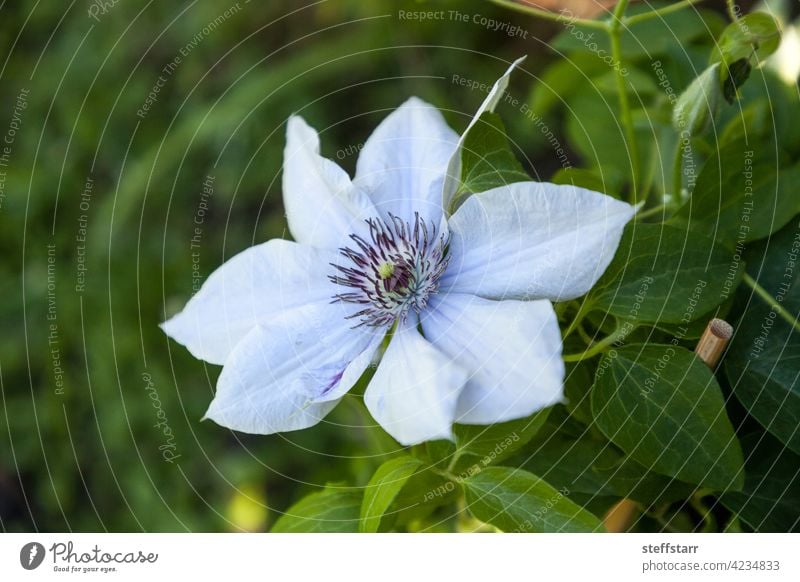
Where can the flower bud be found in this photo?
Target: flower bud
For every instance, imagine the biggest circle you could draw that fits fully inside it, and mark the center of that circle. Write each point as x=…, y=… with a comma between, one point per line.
x=699, y=103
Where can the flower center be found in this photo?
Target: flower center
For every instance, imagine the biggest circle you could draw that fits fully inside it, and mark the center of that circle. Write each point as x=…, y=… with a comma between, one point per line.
x=396, y=269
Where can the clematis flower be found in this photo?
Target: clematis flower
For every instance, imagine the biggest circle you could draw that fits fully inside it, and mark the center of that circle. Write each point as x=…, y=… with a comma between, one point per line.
x=466, y=297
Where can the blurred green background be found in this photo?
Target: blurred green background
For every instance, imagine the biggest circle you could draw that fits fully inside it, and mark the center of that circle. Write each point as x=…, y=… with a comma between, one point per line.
x=100, y=426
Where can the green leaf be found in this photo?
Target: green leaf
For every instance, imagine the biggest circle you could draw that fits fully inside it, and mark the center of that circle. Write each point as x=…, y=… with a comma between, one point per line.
x=584, y=464
x=481, y=446
x=589, y=179
x=695, y=329
x=748, y=121
x=486, y=160
x=330, y=510
x=766, y=115
x=739, y=195
x=697, y=106
x=423, y=493
x=744, y=43
x=567, y=462
x=628, y=478
x=663, y=407
x=517, y=501
x=578, y=380
x=594, y=131
x=561, y=79
x=382, y=489
x=664, y=274
x=642, y=39
x=638, y=84
x=438, y=452
x=763, y=361
x=770, y=499
x=756, y=34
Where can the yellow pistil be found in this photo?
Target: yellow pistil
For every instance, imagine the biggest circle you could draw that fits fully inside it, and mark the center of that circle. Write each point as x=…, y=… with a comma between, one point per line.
x=386, y=270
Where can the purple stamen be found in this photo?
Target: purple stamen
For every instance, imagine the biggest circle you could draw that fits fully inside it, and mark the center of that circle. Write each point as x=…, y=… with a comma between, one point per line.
x=395, y=270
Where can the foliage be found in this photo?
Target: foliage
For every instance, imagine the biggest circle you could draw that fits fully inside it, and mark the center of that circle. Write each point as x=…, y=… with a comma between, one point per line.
x=102, y=414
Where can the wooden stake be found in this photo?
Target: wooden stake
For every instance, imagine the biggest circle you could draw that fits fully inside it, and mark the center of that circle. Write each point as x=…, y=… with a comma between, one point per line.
x=714, y=341
x=710, y=348
x=621, y=515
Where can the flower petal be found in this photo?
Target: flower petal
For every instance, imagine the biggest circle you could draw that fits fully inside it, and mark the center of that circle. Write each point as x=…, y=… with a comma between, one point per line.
x=511, y=348
x=403, y=162
x=414, y=392
x=322, y=205
x=532, y=240
x=258, y=285
x=452, y=180
x=288, y=376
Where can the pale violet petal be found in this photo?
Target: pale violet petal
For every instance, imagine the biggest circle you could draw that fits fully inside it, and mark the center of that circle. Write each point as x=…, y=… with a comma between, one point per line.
x=288, y=376
x=322, y=205
x=260, y=284
x=452, y=180
x=403, y=162
x=512, y=350
x=533, y=240
x=415, y=390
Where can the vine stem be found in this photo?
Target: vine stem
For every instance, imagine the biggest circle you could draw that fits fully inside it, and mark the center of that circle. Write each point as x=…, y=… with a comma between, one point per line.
x=585, y=308
x=709, y=521
x=547, y=15
x=661, y=11
x=451, y=466
x=585, y=336
x=613, y=27
x=733, y=11
x=447, y=474
x=600, y=346
x=615, y=34
x=770, y=300
x=677, y=175
x=651, y=211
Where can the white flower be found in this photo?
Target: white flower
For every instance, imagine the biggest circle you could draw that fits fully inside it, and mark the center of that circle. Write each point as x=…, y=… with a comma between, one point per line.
x=295, y=324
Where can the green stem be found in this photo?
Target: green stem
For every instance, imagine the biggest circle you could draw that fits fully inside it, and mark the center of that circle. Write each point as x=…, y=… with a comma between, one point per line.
x=600, y=346
x=652, y=211
x=649, y=174
x=585, y=336
x=615, y=34
x=452, y=464
x=770, y=300
x=677, y=175
x=667, y=526
x=733, y=525
x=373, y=438
x=547, y=15
x=585, y=308
x=447, y=474
x=661, y=12
x=733, y=11
x=699, y=505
